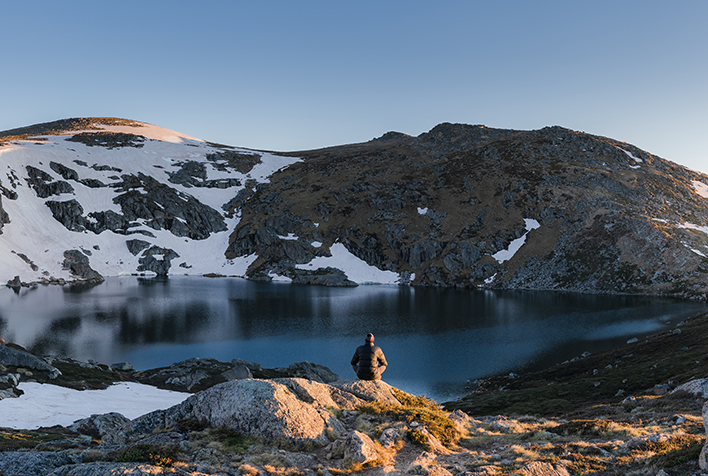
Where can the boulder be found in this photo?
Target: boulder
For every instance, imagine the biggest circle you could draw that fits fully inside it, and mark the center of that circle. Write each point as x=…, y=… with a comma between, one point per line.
x=426, y=464
x=698, y=387
x=122, y=367
x=538, y=468
x=369, y=390
x=321, y=395
x=261, y=409
x=11, y=357
x=238, y=372
x=359, y=448
x=32, y=463
x=98, y=426
x=251, y=365
x=78, y=263
x=316, y=372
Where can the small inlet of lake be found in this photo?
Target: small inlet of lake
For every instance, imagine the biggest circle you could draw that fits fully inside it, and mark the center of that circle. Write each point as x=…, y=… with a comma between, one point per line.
x=434, y=339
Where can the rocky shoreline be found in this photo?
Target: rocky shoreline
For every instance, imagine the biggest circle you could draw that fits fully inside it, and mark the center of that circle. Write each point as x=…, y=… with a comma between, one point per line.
x=243, y=419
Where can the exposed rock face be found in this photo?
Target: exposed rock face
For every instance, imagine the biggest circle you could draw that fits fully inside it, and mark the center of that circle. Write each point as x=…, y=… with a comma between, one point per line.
x=78, y=263
x=143, y=197
x=37, y=463
x=109, y=140
x=257, y=408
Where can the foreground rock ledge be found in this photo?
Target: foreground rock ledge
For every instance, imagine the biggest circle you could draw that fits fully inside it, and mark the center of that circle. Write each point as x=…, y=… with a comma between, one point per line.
x=293, y=410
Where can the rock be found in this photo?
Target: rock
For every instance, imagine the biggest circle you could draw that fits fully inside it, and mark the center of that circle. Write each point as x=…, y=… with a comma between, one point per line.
x=14, y=283
x=238, y=372
x=369, y=390
x=389, y=437
x=325, y=396
x=98, y=426
x=157, y=260
x=661, y=389
x=17, y=358
x=461, y=420
x=538, y=468
x=188, y=381
x=261, y=409
x=703, y=457
x=697, y=387
x=78, y=263
x=359, y=448
x=504, y=425
x=32, y=463
x=316, y=372
x=103, y=468
x=251, y=365
x=426, y=464
x=122, y=367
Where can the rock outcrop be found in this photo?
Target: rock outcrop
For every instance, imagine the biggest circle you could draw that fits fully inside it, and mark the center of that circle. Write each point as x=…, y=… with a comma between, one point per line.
x=262, y=409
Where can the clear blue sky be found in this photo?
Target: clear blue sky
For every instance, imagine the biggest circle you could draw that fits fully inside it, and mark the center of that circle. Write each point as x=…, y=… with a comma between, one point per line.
x=292, y=75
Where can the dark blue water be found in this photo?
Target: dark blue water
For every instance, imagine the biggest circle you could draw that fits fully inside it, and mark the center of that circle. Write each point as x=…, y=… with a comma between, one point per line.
x=434, y=339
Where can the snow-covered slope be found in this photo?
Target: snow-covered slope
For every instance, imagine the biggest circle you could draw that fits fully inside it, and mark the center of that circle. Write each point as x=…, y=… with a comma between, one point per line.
x=150, y=200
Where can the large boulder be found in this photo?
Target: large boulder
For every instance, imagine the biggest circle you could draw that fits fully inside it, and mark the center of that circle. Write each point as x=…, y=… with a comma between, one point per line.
x=98, y=426
x=697, y=387
x=11, y=357
x=262, y=409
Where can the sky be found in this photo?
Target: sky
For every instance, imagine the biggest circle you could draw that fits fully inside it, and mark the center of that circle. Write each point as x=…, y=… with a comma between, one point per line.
x=294, y=75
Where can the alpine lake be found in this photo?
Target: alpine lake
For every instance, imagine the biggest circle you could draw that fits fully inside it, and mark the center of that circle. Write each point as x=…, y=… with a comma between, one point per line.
x=435, y=340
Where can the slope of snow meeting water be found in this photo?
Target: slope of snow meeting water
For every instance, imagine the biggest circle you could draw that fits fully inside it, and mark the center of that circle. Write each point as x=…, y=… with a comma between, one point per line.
x=34, y=233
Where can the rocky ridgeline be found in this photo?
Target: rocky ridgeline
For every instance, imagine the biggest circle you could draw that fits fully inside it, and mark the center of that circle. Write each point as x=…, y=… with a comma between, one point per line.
x=439, y=206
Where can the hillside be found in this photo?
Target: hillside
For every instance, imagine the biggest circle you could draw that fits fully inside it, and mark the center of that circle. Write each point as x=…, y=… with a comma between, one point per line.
x=462, y=206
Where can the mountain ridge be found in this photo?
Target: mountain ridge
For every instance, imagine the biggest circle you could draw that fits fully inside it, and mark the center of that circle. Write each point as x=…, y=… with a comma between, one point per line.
x=460, y=205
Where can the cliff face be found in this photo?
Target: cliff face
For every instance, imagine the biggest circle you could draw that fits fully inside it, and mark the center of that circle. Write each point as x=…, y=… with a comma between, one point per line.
x=463, y=206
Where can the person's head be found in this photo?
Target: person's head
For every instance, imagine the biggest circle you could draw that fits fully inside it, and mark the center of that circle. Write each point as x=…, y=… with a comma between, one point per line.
x=370, y=338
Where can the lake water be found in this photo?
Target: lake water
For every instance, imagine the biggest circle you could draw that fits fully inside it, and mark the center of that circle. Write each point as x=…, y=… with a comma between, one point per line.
x=434, y=339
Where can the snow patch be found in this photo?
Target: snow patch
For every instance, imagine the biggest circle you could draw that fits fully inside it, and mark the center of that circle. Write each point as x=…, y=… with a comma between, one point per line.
x=356, y=269
x=514, y=246
x=291, y=236
x=700, y=188
x=631, y=156
x=422, y=211
x=279, y=278
x=49, y=405
x=490, y=279
x=691, y=226
x=316, y=244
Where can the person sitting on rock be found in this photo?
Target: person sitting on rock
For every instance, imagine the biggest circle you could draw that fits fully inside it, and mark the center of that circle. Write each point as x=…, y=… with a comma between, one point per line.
x=369, y=361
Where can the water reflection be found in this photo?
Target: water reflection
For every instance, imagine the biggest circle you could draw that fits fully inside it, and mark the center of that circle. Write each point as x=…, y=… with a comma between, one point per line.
x=435, y=339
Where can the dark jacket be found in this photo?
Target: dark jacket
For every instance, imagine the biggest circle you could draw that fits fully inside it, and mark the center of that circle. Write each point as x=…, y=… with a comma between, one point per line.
x=367, y=359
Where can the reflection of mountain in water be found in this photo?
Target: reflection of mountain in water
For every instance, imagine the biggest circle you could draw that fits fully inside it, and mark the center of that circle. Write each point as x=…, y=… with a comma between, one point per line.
x=435, y=336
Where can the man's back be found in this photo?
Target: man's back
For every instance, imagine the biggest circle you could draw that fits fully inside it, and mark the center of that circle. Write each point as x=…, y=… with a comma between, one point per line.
x=369, y=361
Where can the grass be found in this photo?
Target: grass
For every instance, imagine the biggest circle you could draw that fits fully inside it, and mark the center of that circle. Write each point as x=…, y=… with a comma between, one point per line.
x=13, y=440
x=417, y=409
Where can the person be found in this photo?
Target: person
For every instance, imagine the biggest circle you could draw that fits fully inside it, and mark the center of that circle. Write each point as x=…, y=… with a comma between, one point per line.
x=369, y=361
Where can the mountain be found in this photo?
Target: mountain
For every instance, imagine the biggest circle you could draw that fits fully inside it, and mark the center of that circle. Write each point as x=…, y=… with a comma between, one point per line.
x=459, y=206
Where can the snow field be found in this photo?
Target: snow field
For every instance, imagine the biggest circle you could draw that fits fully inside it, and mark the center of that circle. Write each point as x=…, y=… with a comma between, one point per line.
x=48, y=405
